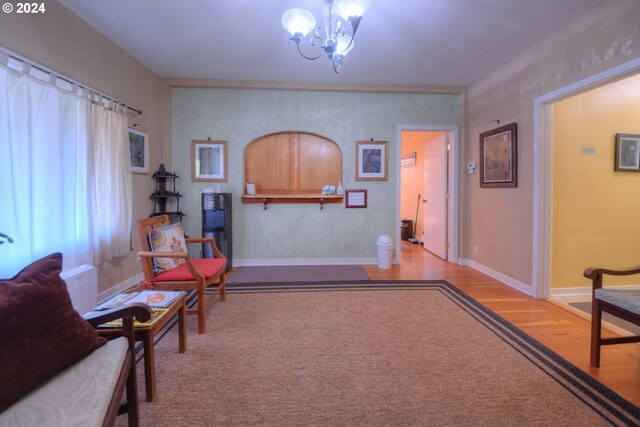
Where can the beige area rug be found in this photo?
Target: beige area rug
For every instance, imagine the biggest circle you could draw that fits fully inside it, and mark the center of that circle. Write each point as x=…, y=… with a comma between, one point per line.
x=407, y=354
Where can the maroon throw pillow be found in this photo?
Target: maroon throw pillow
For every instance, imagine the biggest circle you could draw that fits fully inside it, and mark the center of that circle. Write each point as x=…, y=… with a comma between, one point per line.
x=40, y=332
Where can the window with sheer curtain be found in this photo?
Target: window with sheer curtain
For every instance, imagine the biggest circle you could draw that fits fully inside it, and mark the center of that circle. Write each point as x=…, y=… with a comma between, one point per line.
x=64, y=172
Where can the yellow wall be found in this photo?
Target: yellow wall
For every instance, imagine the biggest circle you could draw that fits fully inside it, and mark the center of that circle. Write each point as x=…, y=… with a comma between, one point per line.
x=499, y=220
x=595, y=219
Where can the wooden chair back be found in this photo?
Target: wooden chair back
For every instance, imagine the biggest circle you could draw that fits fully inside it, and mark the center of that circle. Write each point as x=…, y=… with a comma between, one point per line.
x=194, y=279
x=144, y=228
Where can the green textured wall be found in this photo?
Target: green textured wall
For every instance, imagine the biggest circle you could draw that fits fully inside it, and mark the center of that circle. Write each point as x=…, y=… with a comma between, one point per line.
x=241, y=115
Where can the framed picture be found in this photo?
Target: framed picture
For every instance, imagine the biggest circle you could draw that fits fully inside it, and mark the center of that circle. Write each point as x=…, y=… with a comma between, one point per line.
x=209, y=161
x=139, y=147
x=627, y=157
x=355, y=198
x=408, y=160
x=499, y=154
x=372, y=160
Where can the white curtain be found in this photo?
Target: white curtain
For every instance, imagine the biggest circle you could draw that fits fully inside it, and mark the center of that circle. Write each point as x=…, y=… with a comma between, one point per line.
x=65, y=172
x=44, y=140
x=111, y=193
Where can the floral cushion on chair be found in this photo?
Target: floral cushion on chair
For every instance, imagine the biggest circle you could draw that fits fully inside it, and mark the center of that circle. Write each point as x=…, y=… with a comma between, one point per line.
x=167, y=239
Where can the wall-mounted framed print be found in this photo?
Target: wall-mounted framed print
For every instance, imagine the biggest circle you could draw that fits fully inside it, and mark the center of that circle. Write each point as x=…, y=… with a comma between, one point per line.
x=372, y=160
x=139, y=148
x=499, y=155
x=355, y=198
x=627, y=157
x=209, y=161
x=408, y=160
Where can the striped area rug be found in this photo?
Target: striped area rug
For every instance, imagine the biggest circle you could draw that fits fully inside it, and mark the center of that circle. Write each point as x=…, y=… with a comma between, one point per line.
x=298, y=273
x=376, y=353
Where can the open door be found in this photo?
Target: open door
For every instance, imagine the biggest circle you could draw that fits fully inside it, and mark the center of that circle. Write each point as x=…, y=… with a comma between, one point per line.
x=436, y=163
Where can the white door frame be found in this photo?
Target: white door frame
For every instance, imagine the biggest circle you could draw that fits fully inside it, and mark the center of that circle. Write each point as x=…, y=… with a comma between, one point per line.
x=541, y=170
x=453, y=215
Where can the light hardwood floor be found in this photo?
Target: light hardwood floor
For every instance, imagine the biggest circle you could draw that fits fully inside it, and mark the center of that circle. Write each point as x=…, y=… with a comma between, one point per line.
x=560, y=330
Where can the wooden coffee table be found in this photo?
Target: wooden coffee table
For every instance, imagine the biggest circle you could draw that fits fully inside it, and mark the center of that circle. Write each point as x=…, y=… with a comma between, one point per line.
x=146, y=335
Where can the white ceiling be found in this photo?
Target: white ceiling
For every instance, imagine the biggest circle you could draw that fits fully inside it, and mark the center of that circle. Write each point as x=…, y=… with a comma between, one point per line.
x=407, y=42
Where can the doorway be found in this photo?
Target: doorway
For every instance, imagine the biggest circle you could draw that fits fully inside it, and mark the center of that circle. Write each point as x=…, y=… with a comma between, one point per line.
x=598, y=155
x=427, y=190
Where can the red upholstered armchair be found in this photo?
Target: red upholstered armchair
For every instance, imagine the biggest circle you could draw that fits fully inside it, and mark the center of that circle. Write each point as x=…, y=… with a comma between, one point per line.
x=168, y=266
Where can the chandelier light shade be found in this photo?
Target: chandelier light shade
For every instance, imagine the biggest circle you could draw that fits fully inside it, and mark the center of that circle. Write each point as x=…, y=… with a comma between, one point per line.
x=349, y=8
x=344, y=44
x=298, y=21
x=341, y=20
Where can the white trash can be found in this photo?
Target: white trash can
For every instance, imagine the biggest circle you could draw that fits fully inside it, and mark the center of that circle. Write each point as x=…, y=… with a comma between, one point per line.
x=384, y=244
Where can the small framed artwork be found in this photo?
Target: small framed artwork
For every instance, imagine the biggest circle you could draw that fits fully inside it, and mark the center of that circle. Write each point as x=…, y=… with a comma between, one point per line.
x=355, y=198
x=627, y=157
x=372, y=160
x=209, y=161
x=499, y=154
x=408, y=160
x=139, y=147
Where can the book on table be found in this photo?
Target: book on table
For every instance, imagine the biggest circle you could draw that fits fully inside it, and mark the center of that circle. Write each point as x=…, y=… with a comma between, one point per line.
x=154, y=299
x=157, y=300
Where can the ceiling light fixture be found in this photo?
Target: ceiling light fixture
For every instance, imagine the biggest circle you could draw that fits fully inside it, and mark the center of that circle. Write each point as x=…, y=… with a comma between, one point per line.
x=334, y=40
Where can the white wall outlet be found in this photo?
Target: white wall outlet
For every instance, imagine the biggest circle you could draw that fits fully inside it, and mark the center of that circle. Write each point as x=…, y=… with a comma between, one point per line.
x=287, y=244
x=476, y=249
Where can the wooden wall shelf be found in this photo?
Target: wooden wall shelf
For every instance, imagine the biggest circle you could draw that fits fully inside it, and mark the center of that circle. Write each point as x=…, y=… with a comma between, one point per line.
x=265, y=199
x=292, y=167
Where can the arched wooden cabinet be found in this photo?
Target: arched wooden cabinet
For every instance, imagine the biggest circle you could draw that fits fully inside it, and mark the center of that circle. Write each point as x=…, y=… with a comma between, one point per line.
x=292, y=167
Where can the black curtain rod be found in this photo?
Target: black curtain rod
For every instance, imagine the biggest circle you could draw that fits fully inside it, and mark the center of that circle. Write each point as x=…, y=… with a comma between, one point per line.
x=80, y=85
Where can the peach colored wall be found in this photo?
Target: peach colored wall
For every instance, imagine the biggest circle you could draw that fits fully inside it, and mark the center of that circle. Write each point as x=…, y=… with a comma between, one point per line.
x=412, y=179
x=61, y=41
x=594, y=209
x=500, y=221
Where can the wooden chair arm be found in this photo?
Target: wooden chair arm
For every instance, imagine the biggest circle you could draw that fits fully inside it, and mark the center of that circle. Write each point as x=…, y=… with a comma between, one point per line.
x=211, y=242
x=596, y=273
x=183, y=255
x=128, y=313
x=592, y=272
x=139, y=311
x=146, y=254
x=198, y=239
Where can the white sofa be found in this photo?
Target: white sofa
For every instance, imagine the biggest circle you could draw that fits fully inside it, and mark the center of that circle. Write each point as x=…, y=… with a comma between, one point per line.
x=88, y=393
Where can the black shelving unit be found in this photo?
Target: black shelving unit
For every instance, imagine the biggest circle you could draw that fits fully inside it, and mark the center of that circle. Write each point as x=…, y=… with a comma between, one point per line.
x=162, y=195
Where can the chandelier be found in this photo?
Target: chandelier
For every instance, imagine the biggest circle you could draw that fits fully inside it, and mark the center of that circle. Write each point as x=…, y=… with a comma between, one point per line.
x=334, y=40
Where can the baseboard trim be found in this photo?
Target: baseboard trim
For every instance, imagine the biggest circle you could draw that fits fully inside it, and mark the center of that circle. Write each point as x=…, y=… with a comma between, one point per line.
x=607, y=325
x=120, y=287
x=248, y=262
x=516, y=284
x=584, y=291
